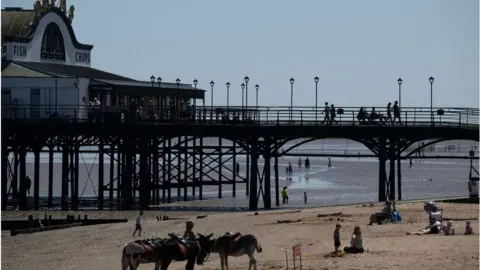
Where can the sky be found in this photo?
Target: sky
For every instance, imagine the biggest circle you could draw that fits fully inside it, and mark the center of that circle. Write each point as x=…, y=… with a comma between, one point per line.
x=358, y=49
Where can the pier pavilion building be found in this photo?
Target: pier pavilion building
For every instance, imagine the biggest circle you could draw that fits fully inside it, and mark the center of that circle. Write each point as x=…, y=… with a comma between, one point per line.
x=47, y=72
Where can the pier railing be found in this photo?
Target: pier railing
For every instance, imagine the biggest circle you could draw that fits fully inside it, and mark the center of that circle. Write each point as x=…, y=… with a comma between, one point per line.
x=236, y=115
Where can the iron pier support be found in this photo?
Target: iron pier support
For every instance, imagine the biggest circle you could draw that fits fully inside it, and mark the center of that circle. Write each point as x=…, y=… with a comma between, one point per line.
x=381, y=169
x=253, y=201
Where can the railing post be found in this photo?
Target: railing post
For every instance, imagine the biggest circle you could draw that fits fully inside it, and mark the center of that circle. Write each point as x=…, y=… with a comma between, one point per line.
x=278, y=117
x=267, y=115
x=406, y=118
x=414, y=116
x=466, y=122
x=459, y=119
x=301, y=118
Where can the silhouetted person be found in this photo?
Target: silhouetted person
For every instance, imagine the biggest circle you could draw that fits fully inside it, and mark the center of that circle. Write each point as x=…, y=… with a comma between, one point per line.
x=329, y=163
x=237, y=168
x=373, y=116
x=410, y=163
x=396, y=112
x=290, y=169
x=305, y=199
x=326, y=111
x=389, y=112
x=28, y=185
x=362, y=115
x=307, y=163
x=333, y=114
x=299, y=162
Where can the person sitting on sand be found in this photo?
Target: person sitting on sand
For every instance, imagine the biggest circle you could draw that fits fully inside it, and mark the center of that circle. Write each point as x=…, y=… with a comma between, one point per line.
x=356, y=242
x=468, y=228
x=433, y=228
x=383, y=215
x=449, y=230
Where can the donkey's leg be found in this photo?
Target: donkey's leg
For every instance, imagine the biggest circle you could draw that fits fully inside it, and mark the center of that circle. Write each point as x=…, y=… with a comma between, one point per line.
x=222, y=260
x=226, y=262
x=158, y=264
x=190, y=264
x=252, y=261
x=165, y=264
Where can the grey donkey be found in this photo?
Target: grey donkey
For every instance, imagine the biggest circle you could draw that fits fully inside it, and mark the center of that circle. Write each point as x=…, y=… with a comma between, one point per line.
x=236, y=245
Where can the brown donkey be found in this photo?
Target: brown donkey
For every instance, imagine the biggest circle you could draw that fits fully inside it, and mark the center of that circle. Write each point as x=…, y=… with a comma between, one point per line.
x=235, y=245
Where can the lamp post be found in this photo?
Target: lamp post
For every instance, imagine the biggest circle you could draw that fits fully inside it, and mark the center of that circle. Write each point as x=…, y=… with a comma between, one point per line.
x=292, y=80
x=256, y=99
x=243, y=94
x=212, y=83
x=152, y=79
x=431, y=79
x=246, y=79
x=159, y=100
x=228, y=94
x=56, y=97
x=399, y=81
x=195, y=82
x=316, y=79
x=177, y=97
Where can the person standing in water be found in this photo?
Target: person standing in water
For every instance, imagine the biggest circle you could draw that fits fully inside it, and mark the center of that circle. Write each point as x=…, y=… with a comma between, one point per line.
x=299, y=162
x=305, y=199
x=410, y=163
x=329, y=163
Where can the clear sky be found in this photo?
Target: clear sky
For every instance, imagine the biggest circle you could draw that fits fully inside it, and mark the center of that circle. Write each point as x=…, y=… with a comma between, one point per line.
x=357, y=48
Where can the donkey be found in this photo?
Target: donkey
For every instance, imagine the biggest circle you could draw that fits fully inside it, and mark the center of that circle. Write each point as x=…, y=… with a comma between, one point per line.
x=235, y=245
x=163, y=251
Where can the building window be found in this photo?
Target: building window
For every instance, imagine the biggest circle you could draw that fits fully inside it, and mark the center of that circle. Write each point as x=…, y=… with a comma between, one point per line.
x=53, y=47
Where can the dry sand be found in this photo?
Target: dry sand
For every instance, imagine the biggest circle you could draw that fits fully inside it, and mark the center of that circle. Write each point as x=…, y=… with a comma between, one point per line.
x=100, y=247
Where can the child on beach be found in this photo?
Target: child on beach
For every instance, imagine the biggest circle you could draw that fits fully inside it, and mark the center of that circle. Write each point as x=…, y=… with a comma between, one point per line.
x=305, y=197
x=336, y=237
x=138, y=226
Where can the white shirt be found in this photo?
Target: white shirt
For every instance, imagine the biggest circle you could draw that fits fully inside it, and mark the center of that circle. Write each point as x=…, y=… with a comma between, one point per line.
x=138, y=219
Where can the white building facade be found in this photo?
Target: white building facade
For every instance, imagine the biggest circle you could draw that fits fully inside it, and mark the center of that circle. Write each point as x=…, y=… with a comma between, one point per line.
x=46, y=71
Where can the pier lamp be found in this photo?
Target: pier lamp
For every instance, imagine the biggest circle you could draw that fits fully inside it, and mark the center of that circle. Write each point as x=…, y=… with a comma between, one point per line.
x=159, y=81
x=256, y=99
x=399, y=81
x=195, y=82
x=292, y=80
x=152, y=79
x=246, y=79
x=431, y=79
x=212, y=83
x=316, y=80
x=178, y=96
x=243, y=94
x=228, y=94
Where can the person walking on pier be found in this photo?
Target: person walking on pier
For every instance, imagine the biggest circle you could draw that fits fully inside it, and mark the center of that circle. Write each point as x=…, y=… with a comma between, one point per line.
x=333, y=114
x=389, y=112
x=329, y=163
x=396, y=112
x=326, y=111
x=138, y=225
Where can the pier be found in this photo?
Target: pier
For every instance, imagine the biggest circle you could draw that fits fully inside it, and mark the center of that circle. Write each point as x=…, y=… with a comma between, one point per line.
x=154, y=160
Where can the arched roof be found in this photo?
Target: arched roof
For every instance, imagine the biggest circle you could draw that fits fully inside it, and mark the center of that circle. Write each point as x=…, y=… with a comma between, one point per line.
x=19, y=25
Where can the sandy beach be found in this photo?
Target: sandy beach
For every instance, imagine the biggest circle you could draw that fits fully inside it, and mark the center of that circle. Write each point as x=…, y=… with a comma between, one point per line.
x=388, y=246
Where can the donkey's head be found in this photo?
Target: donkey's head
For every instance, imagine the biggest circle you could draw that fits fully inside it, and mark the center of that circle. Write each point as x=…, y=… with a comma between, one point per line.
x=205, y=247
